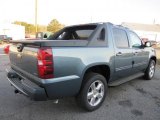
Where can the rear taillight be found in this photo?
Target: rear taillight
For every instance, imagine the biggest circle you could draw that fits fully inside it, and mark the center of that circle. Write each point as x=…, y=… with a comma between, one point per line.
x=6, y=49
x=45, y=63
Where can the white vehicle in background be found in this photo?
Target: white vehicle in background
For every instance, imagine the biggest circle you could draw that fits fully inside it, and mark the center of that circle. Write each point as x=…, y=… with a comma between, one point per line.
x=13, y=31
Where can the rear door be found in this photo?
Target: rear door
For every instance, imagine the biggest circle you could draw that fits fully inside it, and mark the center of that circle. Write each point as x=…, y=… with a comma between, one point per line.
x=140, y=55
x=123, y=54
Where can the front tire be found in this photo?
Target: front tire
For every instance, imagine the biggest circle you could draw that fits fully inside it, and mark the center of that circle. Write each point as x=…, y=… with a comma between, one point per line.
x=93, y=92
x=149, y=73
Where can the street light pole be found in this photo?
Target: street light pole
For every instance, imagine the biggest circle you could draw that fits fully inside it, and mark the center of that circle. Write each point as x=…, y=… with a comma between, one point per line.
x=35, y=16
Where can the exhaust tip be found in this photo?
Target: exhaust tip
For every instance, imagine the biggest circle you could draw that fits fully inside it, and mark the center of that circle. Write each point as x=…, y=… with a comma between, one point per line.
x=16, y=91
x=12, y=75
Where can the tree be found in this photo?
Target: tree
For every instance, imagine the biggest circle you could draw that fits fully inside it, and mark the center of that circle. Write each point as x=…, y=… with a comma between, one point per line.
x=29, y=28
x=54, y=26
x=42, y=28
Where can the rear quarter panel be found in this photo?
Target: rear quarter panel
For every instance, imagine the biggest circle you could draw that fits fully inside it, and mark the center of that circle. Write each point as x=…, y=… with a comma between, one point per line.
x=70, y=65
x=73, y=61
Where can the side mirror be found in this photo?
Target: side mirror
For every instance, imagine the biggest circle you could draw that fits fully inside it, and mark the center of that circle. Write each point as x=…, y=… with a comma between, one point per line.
x=147, y=44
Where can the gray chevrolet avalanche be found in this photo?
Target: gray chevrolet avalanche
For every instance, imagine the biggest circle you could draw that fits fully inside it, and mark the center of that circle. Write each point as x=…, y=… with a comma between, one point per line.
x=81, y=61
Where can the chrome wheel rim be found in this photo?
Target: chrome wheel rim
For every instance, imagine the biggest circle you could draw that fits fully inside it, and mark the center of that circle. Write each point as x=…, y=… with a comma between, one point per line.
x=151, y=70
x=95, y=93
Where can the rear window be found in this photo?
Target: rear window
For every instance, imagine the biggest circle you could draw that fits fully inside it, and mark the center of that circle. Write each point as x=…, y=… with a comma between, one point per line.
x=84, y=34
x=74, y=33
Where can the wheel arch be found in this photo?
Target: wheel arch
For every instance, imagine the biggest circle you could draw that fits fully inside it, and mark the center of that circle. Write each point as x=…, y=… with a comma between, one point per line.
x=101, y=68
x=153, y=58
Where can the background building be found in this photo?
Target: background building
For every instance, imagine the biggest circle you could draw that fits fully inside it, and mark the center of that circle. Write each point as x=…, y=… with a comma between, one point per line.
x=12, y=30
x=149, y=31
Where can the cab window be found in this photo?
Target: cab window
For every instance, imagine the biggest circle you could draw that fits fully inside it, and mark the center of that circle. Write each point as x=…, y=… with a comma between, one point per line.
x=120, y=38
x=135, y=40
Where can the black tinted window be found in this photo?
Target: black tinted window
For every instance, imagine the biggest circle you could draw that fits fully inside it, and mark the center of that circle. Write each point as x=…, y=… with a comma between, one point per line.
x=120, y=38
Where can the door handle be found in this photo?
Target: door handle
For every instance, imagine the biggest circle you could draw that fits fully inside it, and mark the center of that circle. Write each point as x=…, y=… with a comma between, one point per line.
x=119, y=54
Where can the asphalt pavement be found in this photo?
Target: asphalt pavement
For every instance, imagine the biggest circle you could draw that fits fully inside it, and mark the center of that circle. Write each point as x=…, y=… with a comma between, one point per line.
x=138, y=99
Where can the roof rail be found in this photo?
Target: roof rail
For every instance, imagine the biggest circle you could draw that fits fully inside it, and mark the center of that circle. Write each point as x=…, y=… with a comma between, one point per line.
x=110, y=23
x=122, y=26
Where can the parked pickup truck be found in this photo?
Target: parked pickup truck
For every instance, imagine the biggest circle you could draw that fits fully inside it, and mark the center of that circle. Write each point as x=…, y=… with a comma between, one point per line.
x=80, y=61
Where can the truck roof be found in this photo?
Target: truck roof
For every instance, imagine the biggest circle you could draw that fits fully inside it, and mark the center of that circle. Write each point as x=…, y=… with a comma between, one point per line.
x=99, y=23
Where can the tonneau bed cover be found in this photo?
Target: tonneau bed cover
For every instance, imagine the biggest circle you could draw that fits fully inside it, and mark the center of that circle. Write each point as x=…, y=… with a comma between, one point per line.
x=52, y=43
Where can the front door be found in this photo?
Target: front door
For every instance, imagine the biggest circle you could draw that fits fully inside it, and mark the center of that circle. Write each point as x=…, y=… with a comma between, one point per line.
x=140, y=56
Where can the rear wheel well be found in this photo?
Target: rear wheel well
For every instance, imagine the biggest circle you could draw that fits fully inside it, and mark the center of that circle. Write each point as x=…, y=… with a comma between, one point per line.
x=101, y=69
x=153, y=58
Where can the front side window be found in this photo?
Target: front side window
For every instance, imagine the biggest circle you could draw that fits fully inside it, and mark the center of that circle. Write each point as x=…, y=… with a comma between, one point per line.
x=136, y=41
x=120, y=38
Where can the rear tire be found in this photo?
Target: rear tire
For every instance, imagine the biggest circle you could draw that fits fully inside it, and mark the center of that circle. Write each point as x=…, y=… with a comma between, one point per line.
x=149, y=73
x=93, y=92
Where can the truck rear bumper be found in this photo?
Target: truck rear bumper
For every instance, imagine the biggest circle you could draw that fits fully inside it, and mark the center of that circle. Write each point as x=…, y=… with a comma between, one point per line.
x=48, y=89
x=26, y=87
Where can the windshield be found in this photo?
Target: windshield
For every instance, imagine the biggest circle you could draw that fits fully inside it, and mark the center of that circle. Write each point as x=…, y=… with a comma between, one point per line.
x=74, y=33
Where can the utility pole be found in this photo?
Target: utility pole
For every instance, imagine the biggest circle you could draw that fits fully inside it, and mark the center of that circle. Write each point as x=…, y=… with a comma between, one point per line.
x=154, y=21
x=91, y=19
x=35, y=16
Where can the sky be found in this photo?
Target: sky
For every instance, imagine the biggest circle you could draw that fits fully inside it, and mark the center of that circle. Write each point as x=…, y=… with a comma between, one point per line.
x=69, y=12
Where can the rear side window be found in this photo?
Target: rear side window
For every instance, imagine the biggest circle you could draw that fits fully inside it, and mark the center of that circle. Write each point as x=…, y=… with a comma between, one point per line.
x=120, y=38
x=84, y=34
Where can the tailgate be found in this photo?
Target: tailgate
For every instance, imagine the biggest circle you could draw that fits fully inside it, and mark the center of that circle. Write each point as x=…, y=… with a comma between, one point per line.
x=26, y=59
x=23, y=53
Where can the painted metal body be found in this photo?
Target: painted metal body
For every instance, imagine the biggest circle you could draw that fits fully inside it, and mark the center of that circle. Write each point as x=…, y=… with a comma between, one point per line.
x=72, y=60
